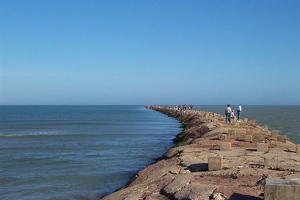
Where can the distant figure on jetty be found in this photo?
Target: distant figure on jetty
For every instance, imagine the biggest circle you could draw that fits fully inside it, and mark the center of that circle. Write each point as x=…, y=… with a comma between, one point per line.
x=232, y=114
x=228, y=114
x=239, y=110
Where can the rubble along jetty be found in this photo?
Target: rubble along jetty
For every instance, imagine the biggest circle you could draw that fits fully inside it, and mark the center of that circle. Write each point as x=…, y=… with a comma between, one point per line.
x=215, y=160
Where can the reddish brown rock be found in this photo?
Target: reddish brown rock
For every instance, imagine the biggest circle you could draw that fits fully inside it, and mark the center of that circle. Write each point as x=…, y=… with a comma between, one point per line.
x=197, y=133
x=182, y=173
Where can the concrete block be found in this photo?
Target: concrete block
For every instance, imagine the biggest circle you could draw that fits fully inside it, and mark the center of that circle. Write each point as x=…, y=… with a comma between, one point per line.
x=274, y=133
x=271, y=163
x=222, y=137
x=215, y=163
x=298, y=149
x=282, y=189
x=262, y=147
x=225, y=146
x=269, y=133
x=248, y=138
x=281, y=138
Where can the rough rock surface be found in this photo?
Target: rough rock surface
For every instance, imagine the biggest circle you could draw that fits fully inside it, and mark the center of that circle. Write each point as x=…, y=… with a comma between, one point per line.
x=182, y=173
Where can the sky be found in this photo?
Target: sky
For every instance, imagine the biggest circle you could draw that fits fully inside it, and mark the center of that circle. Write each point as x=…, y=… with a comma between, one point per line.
x=141, y=52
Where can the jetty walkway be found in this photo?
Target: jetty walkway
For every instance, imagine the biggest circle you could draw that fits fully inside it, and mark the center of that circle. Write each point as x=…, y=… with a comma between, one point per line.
x=214, y=160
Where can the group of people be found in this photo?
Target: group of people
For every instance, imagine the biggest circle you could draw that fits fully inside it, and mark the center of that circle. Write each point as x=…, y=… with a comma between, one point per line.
x=182, y=108
x=229, y=113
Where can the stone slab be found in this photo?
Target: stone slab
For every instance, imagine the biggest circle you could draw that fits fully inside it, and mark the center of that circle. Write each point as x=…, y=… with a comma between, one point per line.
x=262, y=147
x=274, y=133
x=225, y=146
x=271, y=163
x=282, y=189
x=282, y=138
x=215, y=163
x=298, y=149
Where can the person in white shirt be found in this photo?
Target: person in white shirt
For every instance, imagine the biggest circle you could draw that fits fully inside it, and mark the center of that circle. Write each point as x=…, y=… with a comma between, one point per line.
x=239, y=111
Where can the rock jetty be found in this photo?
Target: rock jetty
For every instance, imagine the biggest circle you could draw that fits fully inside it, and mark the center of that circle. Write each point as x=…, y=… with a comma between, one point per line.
x=214, y=160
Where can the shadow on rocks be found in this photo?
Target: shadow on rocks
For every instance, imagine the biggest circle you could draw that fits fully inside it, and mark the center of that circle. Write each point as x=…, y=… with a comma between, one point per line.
x=237, y=196
x=198, y=167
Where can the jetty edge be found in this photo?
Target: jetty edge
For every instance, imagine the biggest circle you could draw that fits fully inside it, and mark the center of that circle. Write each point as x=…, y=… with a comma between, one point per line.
x=218, y=161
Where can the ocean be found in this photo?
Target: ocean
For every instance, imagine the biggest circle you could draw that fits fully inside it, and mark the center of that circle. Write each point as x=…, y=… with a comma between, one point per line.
x=77, y=152
x=85, y=152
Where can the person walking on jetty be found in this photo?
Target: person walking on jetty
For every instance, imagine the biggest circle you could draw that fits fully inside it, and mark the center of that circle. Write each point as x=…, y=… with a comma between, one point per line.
x=228, y=114
x=239, y=110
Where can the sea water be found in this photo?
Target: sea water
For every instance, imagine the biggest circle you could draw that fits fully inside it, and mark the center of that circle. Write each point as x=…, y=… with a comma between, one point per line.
x=77, y=152
x=85, y=152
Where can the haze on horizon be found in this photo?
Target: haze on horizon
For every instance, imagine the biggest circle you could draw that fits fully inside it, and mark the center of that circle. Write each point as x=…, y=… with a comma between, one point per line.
x=74, y=52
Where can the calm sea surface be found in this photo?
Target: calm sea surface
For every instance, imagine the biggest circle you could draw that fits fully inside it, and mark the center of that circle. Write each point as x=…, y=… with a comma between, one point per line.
x=77, y=152
x=84, y=152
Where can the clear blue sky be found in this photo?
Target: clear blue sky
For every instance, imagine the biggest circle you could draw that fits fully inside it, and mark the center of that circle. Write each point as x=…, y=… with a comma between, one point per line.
x=85, y=52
